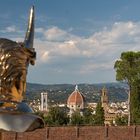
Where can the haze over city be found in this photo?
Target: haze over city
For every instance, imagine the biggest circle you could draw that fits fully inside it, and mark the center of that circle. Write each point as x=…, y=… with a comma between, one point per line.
x=77, y=41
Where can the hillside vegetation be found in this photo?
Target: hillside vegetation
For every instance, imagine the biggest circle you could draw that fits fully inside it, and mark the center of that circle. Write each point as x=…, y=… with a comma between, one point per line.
x=58, y=93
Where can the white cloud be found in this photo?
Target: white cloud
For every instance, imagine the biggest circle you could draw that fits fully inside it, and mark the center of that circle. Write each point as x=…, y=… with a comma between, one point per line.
x=106, y=44
x=90, y=67
x=56, y=34
x=11, y=29
x=69, y=52
x=39, y=30
x=45, y=56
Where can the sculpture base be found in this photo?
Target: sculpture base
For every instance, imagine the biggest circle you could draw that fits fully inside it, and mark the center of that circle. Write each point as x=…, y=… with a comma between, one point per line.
x=20, y=122
x=19, y=119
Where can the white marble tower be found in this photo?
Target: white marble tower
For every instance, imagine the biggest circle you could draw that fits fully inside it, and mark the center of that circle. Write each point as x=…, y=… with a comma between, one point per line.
x=44, y=103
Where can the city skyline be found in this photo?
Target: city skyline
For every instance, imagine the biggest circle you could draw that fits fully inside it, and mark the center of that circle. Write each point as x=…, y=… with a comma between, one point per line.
x=76, y=41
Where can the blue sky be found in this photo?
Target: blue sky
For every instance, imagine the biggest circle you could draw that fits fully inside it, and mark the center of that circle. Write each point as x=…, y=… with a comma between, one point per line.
x=77, y=41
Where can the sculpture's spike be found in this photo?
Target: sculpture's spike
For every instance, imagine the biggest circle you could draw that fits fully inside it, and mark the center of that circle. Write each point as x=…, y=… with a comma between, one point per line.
x=29, y=38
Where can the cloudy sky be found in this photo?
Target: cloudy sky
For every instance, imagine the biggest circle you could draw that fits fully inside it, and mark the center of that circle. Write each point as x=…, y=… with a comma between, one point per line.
x=77, y=41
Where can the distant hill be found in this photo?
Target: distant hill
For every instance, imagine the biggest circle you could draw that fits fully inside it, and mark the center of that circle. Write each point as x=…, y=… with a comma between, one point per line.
x=58, y=93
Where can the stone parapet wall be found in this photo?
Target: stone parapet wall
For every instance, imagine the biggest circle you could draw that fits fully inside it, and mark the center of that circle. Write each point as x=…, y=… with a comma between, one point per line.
x=77, y=133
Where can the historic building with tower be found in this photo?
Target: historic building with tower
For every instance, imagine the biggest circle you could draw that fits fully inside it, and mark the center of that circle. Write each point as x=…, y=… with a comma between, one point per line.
x=76, y=101
x=104, y=98
x=109, y=116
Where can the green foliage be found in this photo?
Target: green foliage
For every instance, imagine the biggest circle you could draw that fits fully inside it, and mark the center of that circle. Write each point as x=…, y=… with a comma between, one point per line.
x=56, y=116
x=128, y=67
x=128, y=70
x=135, y=103
x=88, y=117
x=77, y=118
x=121, y=120
x=99, y=116
x=41, y=114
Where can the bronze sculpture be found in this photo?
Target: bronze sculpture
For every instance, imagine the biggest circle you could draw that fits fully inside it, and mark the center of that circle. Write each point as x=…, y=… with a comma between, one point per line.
x=15, y=58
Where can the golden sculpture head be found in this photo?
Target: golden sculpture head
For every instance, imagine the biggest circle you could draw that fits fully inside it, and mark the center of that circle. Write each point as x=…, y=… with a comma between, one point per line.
x=14, y=60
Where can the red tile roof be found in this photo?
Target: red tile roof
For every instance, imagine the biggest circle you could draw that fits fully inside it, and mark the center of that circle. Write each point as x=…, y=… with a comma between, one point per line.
x=76, y=98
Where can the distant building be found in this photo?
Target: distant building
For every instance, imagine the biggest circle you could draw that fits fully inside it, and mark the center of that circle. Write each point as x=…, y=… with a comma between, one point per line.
x=109, y=114
x=92, y=106
x=44, y=101
x=76, y=101
x=104, y=98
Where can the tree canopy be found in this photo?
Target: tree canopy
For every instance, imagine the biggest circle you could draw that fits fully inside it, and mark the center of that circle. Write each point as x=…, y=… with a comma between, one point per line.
x=88, y=116
x=121, y=120
x=56, y=116
x=99, y=116
x=128, y=67
x=76, y=118
x=128, y=70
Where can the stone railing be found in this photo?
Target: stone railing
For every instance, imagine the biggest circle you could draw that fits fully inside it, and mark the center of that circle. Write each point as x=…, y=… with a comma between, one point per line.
x=77, y=133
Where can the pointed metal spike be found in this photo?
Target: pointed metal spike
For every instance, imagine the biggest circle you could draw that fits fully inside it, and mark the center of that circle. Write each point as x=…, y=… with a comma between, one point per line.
x=29, y=38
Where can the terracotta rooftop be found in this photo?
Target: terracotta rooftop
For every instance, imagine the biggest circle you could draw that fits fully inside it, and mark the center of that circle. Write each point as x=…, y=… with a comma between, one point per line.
x=76, y=98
